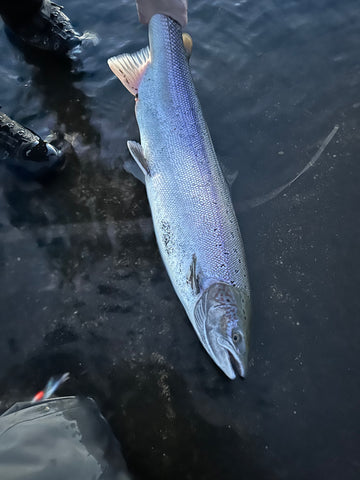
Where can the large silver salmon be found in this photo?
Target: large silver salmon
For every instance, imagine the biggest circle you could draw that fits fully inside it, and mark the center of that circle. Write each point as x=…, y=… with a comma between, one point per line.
x=194, y=220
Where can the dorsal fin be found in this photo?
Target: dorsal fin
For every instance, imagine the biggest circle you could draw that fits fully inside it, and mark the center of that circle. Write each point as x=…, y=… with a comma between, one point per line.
x=130, y=68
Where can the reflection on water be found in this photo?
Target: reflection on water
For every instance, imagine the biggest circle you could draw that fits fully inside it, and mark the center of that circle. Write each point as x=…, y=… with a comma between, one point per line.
x=83, y=288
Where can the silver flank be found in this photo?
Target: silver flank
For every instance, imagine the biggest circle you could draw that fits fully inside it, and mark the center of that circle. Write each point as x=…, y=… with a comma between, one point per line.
x=194, y=220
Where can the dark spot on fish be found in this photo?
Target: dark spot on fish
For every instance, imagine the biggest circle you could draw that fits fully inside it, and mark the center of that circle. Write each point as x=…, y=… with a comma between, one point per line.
x=166, y=234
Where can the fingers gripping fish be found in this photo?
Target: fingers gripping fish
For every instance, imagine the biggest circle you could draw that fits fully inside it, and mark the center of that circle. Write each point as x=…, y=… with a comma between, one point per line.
x=194, y=220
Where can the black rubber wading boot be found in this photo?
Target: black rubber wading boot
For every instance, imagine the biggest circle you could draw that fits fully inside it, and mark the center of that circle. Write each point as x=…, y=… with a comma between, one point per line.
x=47, y=29
x=23, y=150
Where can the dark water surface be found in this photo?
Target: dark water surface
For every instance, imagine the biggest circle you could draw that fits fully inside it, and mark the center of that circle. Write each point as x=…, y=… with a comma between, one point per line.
x=82, y=285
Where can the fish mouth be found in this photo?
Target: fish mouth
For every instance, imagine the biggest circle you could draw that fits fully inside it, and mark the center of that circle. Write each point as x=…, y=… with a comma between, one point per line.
x=230, y=362
x=237, y=364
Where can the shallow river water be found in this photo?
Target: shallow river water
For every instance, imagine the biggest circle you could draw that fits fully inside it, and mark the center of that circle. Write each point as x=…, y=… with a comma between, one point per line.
x=82, y=285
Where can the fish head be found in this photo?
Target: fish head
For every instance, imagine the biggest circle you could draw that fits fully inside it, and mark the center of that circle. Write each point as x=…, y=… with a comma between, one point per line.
x=222, y=317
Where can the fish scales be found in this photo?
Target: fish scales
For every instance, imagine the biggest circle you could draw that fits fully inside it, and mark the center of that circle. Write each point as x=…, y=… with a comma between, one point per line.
x=186, y=189
x=194, y=220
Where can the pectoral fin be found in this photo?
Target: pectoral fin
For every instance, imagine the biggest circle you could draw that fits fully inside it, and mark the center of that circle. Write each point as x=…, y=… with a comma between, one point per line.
x=130, y=68
x=138, y=155
x=133, y=168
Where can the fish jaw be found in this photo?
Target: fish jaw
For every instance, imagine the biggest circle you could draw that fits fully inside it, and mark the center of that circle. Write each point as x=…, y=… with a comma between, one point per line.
x=221, y=320
x=231, y=361
x=226, y=358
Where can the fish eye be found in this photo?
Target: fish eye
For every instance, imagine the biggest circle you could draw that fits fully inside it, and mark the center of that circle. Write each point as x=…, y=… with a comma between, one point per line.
x=236, y=337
